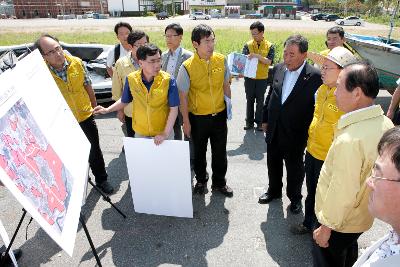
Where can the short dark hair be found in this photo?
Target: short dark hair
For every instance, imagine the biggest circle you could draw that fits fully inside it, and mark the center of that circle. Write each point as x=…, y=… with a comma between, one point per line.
x=390, y=141
x=122, y=24
x=298, y=40
x=147, y=50
x=257, y=25
x=136, y=35
x=336, y=30
x=201, y=31
x=37, y=42
x=176, y=27
x=363, y=75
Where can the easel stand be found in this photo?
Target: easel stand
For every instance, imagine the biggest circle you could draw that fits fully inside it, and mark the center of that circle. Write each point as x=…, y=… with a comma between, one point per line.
x=81, y=219
x=13, y=238
x=106, y=198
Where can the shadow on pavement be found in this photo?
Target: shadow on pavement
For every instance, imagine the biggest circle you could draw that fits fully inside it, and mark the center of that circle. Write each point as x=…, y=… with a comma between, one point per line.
x=285, y=249
x=253, y=145
x=151, y=240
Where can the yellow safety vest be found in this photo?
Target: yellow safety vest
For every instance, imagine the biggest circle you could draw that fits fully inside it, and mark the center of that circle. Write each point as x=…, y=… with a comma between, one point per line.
x=263, y=50
x=206, y=92
x=326, y=115
x=150, y=109
x=73, y=90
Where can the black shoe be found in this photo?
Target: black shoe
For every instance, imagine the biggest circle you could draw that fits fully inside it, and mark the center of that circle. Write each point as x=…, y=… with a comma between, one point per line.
x=200, y=188
x=17, y=254
x=266, y=198
x=248, y=127
x=295, y=207
x=299, y=229
x=105, y=187
x=225, y=190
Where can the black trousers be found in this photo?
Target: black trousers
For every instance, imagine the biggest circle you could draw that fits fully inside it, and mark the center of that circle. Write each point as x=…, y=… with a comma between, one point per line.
x=255, y=91
x=342, y=251
x=312, y=168
x=96, y=160
x=129, y=130
x=213, y=127
x=177, y=127
x=277, y=152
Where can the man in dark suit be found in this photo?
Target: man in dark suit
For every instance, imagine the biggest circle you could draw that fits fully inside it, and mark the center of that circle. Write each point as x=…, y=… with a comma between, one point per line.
x=287, y=114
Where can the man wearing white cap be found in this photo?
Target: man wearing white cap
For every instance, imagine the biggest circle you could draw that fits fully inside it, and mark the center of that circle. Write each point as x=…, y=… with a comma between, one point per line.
x=320, y=132
x=341, y=199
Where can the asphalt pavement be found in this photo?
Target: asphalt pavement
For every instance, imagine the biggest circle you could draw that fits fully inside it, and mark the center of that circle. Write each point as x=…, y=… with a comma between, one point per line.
x=224, y=231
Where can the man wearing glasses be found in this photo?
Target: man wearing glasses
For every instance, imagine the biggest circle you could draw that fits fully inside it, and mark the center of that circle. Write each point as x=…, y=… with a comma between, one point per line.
x=154, y=97
x=123, y=67
x=203, y=81
x=172, y=60
x=384, y=200
x=74, y=83
x=255, y=88
x=341, y=201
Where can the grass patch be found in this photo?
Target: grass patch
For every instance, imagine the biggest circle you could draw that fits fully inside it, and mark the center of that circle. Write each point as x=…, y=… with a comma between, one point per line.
x=228, y=40
x=384, y=19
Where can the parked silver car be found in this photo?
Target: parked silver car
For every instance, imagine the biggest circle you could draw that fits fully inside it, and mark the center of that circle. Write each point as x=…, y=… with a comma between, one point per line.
x=199, y=15
x=352, y=21
x=94, y=57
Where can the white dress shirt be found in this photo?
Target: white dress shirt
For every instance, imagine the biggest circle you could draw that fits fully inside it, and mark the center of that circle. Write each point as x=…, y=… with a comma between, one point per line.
x=289, y=81
x=172, y=61
x=110, y=56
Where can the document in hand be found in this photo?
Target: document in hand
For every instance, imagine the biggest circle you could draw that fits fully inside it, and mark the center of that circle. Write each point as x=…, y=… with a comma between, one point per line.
x=241, y=64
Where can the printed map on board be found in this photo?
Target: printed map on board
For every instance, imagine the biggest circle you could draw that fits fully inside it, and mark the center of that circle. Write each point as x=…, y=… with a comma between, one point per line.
x=34, y=167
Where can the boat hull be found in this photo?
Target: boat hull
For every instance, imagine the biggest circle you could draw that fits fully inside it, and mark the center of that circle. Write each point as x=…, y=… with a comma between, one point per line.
x=384, y=57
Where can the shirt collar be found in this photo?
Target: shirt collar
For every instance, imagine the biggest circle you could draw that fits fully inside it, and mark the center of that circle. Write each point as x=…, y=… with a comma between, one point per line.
x=298, y=71
x=359, y=115
x=173, y=54
x=63, y=68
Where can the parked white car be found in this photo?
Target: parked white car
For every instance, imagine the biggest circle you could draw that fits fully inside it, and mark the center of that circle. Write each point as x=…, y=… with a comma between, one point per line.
x=199, y=15
x=352, y=20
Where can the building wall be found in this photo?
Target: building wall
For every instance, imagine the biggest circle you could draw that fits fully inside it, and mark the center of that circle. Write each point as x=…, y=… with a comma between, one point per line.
x=128, y=5
x=52, y=8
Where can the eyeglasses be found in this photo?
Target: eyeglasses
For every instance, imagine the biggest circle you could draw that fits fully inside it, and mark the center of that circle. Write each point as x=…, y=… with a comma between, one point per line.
x=56, y=50
x=325, y=68
x=170, y=36
x=139, y=45
x=255, y=34
x=372, y=179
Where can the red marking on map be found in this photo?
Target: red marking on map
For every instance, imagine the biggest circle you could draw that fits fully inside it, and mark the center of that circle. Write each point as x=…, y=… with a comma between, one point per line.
x=20, y=156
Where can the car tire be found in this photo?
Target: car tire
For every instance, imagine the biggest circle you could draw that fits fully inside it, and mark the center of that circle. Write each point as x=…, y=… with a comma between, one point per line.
x=341, y=23
x=316, y=19
x=358, y=24
x=207, y=18
x=194, y=18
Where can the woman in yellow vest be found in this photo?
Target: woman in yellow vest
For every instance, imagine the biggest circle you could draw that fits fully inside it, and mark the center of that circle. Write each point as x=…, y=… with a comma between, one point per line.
x=255, y=88
x=320, y=132
x=154, y=96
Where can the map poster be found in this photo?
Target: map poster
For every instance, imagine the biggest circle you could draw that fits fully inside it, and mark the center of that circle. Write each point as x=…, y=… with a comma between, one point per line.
x=159, y=176
x=241, y=64
x=43, y=151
